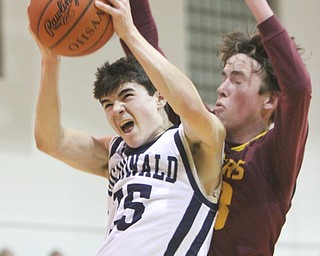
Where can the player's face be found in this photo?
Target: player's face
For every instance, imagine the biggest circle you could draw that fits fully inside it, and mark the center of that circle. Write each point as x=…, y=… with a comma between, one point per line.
x=239, y=105
x=133, y=114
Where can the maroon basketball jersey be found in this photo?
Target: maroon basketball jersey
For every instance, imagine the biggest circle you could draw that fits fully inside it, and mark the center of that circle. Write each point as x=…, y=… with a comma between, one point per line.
x=259, y=177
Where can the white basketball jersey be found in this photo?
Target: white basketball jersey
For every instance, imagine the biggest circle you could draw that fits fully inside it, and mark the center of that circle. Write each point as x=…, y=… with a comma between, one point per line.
x=156, y=206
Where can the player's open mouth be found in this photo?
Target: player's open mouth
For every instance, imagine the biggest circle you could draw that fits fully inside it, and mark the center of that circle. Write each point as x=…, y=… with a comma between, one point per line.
x=127, y=126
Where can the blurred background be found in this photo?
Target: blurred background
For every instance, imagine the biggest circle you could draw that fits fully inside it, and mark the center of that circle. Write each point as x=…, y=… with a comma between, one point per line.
x=47, y=207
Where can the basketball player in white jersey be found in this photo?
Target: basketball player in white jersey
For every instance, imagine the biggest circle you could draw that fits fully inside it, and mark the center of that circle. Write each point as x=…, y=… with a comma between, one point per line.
x=163, y=181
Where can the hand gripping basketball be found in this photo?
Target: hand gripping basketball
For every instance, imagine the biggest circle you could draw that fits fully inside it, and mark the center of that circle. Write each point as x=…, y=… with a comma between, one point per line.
x=70, y=27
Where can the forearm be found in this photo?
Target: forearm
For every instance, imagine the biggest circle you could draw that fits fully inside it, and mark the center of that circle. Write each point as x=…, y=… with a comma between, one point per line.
x=173, y=84
x=48, y=130
x=199, y=124
x=292, y=75
x=260, y=9
x=75, y=148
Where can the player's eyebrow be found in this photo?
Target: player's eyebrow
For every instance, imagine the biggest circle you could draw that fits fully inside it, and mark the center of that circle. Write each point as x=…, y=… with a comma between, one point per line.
x=233, y=72
x=121, y=93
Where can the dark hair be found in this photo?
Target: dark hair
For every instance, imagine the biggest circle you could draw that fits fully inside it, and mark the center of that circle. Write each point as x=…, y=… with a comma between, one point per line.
x=109, y=77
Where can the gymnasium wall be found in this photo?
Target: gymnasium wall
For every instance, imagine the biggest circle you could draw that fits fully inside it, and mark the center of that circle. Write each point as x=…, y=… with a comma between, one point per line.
x=46, y=205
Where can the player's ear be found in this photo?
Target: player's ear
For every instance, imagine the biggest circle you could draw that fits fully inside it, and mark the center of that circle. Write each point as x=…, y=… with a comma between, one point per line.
x=271, y=101
x=161, y=102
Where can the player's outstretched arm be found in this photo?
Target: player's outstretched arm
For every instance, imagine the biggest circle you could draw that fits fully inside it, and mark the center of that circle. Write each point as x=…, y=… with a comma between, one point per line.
x=75, y=148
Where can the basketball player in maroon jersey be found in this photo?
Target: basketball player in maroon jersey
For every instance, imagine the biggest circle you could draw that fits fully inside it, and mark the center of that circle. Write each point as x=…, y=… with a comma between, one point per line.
x=263, y=101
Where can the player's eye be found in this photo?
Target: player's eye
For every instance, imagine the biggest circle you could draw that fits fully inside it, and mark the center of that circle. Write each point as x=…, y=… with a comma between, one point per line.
x=106, y=106
x=127, y=95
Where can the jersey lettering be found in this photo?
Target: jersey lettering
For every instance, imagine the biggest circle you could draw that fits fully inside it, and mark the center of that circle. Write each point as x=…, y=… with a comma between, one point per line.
x=233, y=170
x=146, y=166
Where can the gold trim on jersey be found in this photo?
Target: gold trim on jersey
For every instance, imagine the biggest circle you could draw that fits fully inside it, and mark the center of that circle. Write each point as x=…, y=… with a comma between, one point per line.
x=242, y=146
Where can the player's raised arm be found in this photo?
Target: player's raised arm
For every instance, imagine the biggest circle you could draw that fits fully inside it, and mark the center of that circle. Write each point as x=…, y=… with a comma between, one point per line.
x=144, y=21
x=177, y=89
x=75, y=148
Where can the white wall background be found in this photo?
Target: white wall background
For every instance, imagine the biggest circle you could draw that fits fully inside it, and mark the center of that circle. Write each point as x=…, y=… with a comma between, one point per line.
x=46, y=205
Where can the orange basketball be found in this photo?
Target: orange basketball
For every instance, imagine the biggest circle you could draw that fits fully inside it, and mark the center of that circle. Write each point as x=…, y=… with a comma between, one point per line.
x=70, y=27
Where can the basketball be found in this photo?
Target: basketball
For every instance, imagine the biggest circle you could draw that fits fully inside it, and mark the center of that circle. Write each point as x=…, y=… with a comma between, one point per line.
x=70, y=27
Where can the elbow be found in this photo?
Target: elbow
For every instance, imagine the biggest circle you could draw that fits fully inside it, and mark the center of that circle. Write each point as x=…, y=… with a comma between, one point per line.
x=39, y=141
x=44, y=145
x=221, y=130
x=41, y=146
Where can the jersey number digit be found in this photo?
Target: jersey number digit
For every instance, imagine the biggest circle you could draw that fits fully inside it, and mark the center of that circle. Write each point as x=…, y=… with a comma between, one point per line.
x=137, y=207
x=225, y=201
